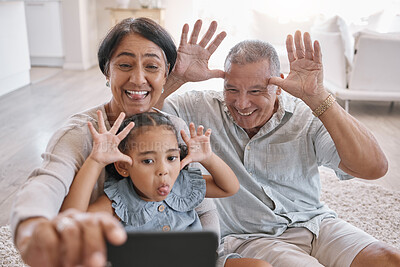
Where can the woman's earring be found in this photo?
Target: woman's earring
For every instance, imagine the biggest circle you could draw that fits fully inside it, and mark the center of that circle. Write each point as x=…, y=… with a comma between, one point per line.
x=108, y=83
x=162, y=91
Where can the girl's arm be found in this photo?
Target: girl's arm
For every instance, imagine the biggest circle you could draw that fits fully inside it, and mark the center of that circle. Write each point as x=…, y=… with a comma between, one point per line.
x=82, y=186
x=222, y=182
x=105, y=151
x=102, y=204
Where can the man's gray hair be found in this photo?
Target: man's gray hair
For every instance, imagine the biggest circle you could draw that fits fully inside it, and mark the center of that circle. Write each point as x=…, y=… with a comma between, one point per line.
x=251, y=51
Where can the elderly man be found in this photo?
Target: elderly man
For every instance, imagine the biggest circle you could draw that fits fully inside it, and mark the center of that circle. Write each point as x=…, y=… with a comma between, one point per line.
x=275, y=141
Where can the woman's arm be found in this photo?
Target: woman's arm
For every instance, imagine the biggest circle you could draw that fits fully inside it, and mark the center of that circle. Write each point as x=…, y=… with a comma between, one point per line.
x=71, y=238
x=223, y=181
x=37, y=229
x=82, y=186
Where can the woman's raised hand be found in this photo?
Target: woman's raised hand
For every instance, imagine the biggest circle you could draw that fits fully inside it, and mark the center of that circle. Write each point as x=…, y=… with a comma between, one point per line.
x=192, y=61
x=105, y=143
x=199, y=148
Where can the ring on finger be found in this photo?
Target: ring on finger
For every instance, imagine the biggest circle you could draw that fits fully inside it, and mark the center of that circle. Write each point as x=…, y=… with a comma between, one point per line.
x=64, y=223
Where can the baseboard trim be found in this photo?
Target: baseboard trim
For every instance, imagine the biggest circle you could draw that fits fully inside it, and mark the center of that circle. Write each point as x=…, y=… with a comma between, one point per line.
x=14, y=81
x=47, y=61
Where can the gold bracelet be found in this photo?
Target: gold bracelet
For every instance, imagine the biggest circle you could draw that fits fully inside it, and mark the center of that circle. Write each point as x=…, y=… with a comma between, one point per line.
x=324, y=106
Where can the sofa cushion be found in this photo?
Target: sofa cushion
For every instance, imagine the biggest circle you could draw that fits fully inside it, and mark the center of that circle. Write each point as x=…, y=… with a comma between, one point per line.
x=333, y=57
x=376, y=62
x=336, y=24
x=268, y=28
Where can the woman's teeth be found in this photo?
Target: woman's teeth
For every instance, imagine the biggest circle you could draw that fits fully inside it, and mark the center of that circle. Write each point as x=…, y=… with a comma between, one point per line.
x=136, y=94
x=245, y=114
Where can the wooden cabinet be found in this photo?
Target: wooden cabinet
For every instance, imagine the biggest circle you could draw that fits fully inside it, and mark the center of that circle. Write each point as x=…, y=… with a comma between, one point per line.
x=118, y=14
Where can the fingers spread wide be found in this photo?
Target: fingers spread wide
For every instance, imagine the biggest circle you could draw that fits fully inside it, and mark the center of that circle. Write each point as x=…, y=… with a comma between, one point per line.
x=192, y=129
x=195, y=33
x=117, y=123
x=102, y=126
x=309, y=51
x=299, y=45
x=290, y=48
x=216, y=42
x=185, y=31
x=317, y=52
x=209, y=34
x=200, y=130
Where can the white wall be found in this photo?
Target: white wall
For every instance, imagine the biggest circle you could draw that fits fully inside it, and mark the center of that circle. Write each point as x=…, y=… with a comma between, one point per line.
x=177, y=12
x=43, y=20
x=89, y=32
x=80, y=34
x=103, y=18
x=14, y=51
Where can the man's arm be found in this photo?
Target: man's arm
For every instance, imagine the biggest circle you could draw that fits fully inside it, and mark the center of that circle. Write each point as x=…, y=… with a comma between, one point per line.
x=192, y=61
x=360, y=154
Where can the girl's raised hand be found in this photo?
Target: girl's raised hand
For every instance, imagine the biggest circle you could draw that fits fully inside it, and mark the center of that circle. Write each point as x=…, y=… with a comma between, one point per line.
x=199, y=148
x=105, y=143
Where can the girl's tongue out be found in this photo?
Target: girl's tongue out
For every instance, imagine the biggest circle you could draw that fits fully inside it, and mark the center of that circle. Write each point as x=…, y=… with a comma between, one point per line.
x=163, y=190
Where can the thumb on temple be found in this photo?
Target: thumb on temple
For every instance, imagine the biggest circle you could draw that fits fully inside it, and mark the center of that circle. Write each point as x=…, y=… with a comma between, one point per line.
x=216, y=74
x=185, y=161
x=277, y=81
x=126, y=158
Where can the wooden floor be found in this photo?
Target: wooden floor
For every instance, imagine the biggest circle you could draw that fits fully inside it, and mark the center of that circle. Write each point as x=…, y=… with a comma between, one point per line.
x=31, y=114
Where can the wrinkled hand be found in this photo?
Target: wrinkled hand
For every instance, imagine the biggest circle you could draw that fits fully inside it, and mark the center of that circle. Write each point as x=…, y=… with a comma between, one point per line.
x=305, y=79
x=198, y=144
x=105, y=143
x=72, y=238
x=192, y=60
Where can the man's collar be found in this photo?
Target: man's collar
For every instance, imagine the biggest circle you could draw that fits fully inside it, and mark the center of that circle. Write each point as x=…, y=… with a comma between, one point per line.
x=286, y=102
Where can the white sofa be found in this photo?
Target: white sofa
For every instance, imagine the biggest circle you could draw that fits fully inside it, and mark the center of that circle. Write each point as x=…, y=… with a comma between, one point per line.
x=371, y=74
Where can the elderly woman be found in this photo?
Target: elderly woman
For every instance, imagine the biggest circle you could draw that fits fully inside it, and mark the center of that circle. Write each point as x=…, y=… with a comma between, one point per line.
x=137, y=58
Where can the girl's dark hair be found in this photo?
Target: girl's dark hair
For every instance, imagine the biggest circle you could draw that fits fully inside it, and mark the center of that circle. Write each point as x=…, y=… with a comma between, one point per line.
x=143, y=121
x=147, y=28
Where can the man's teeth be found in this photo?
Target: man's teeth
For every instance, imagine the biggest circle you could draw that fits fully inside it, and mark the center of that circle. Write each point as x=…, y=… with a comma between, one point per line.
x=137, y=92
x=245, y=114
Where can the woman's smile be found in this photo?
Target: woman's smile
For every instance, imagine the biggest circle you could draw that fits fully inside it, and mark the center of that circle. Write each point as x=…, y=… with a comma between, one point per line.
x=137, y=95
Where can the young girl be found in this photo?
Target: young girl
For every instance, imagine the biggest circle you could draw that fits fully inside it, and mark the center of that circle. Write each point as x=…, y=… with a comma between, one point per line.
x=151, y=189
